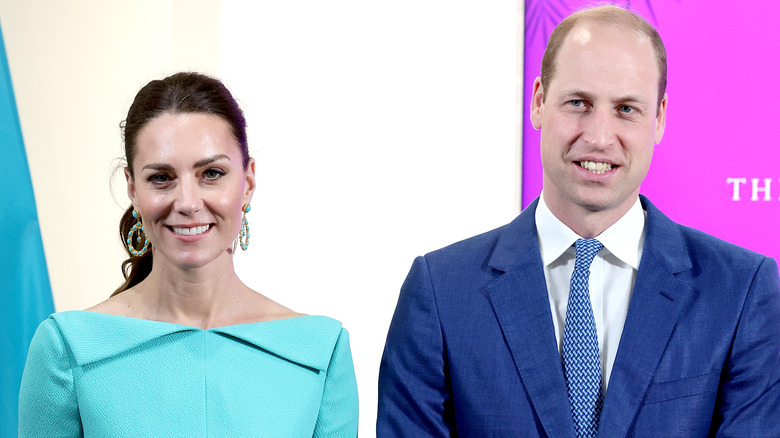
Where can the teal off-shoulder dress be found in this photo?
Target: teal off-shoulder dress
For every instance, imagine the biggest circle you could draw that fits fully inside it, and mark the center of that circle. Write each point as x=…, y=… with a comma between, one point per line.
x=97, y=375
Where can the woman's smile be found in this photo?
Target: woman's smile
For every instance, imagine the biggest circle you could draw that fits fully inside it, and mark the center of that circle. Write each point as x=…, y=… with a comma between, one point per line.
x=190, y=233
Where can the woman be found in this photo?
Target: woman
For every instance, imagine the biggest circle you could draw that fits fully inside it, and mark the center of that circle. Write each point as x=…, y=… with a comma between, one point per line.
x=183, y=348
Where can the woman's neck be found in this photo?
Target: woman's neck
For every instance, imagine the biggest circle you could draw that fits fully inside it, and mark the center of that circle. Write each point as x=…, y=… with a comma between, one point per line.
x=205, y=297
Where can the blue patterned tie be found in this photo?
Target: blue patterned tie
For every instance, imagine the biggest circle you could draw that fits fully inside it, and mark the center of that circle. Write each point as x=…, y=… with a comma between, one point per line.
x=581, y=362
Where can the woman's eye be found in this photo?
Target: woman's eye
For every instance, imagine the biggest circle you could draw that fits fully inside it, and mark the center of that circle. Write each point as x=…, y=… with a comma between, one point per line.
x=213, y=174
x=159, y=178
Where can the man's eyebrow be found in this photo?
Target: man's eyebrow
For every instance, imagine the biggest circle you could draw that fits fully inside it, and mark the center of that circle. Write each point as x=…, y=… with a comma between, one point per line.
x=630, y=98
x=209, y=160
x=575, y=94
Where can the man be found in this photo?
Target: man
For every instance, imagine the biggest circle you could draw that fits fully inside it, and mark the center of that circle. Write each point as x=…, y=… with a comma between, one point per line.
x=535, y=329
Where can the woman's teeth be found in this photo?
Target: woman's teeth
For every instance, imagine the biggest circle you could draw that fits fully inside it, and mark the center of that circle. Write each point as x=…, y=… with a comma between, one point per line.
x=191, y=231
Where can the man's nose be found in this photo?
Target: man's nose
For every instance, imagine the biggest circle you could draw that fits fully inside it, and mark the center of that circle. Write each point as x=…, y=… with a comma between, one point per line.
x=188, y=197
x=599, y=129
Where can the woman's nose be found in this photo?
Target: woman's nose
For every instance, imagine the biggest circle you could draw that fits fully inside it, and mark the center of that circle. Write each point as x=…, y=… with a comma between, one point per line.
x=188, y=197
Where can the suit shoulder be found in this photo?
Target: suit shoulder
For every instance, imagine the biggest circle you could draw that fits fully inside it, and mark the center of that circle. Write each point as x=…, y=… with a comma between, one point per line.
x=480, y=245
x=708, y=247
x=712, y=257
x=678, y=242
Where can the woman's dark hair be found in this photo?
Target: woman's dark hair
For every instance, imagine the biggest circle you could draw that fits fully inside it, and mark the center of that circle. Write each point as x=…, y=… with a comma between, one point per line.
x=176, y=94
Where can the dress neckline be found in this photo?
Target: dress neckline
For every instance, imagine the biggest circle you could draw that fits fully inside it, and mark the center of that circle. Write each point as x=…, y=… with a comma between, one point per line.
x=93, y=336
x=190, y=327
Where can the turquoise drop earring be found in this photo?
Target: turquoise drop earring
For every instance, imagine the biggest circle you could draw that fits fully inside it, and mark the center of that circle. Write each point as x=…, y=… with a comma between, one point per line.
x=243, y=235
x=138, y=229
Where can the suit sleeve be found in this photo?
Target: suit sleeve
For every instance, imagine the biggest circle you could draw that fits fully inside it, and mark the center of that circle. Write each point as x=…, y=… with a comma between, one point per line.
x=749, y=395
x=47, y=397
x=414, y=393
x=338, y=416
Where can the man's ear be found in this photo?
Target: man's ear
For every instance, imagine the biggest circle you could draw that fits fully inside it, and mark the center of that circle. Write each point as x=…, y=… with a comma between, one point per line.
x=660, y=120
x=537, y=102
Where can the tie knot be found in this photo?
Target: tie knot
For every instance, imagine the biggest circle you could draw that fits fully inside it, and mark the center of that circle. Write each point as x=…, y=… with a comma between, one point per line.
x=586, y=251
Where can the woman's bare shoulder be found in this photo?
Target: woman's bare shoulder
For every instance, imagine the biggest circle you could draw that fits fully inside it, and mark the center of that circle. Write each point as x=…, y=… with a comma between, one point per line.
x=261, y=308
x=120, y=305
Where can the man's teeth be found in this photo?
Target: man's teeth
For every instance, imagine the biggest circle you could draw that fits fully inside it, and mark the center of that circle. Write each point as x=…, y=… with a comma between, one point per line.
x=190, y=231
x=595, y=167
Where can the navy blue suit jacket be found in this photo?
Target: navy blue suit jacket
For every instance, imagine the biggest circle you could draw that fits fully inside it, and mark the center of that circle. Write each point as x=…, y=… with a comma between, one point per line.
x=471, y=350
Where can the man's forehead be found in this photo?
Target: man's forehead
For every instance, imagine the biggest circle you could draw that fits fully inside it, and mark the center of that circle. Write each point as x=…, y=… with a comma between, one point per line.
x=586, y=30
x=619, y=41
x=610, y=47
x=581, y=35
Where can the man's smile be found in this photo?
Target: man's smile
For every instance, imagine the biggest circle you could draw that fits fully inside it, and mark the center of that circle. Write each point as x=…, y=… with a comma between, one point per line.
x=595, y=166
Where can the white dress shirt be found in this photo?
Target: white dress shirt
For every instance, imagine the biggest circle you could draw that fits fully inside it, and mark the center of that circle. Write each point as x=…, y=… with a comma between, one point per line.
x=612, y=274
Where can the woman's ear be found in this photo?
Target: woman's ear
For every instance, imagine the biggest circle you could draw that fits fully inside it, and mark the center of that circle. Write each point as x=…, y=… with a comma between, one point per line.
x=130, y=185
x=249, y=180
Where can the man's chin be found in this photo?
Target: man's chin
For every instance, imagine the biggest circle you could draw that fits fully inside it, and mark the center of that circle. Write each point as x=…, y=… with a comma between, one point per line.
x=606, y=204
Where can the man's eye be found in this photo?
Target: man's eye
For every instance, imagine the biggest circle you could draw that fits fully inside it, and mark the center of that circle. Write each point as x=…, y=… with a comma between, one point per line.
x=213, y=174
x=576, y=103
x=625, y=109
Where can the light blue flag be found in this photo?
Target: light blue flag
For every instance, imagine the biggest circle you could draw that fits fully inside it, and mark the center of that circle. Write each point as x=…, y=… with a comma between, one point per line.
x=25, y=293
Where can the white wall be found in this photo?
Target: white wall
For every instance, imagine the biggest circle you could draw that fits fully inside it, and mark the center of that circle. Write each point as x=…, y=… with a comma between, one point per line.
x=382, y=130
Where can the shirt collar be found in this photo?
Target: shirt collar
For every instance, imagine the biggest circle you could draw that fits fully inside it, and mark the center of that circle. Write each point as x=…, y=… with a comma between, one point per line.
x=624, y=239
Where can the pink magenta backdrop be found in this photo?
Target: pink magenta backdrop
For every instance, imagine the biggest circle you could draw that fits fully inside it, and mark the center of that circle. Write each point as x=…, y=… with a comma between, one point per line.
x=722, y=118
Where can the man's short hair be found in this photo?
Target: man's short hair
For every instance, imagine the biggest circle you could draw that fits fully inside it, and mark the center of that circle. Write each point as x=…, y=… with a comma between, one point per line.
x=608, y=16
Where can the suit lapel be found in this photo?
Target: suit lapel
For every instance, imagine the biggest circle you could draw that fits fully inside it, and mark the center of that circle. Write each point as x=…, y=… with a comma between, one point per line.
x=520, y=302
x=656, y=301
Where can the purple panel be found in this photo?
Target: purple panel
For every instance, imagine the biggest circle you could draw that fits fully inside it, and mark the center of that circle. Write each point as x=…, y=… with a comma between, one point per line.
x=718, y=166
